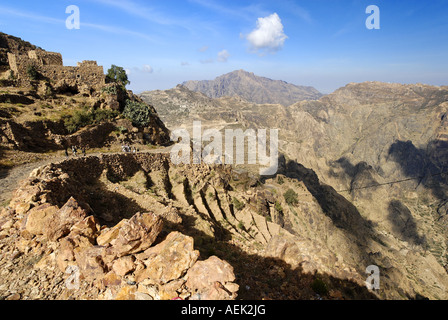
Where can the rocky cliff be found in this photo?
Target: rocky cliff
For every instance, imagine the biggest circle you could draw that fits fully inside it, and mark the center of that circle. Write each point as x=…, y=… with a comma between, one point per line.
x=137, y=227
x=120, y=220
x=380, y=146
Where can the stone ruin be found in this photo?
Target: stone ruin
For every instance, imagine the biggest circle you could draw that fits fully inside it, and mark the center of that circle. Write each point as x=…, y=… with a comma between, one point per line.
x=50, y=67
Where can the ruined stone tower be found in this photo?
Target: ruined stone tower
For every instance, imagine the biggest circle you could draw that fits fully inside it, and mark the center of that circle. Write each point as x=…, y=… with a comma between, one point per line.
x=50, y=67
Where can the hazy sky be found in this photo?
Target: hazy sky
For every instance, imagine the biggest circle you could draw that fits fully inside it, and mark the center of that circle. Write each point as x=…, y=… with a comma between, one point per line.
x=322, y=43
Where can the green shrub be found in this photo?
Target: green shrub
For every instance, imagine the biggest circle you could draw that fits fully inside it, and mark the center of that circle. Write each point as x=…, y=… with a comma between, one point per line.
x=32, y=72
x=109, y=90
x=139, y=113
x=291, y=197
x=100, y=115
x=122, y=129
x=84, y=117
x=237, y=204
x=278, y=207
x=79, y=119
x=319, y=287
x=280, y=180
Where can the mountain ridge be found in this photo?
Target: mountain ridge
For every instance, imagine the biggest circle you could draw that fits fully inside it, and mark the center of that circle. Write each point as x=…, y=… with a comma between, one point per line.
x=253, y=88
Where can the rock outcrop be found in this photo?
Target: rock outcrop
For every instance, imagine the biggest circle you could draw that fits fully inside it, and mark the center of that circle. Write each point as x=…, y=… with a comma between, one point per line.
x=129, y=260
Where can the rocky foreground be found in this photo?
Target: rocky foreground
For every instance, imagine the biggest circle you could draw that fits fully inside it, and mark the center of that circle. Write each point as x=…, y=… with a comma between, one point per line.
x=125, y=226
x=51, y=252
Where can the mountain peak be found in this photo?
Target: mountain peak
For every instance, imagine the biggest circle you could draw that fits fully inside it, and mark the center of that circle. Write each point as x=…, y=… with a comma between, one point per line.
x=253, y=88
x=241, y=72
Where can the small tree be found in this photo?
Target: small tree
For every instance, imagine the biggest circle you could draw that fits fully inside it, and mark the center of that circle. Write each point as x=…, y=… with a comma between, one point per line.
x=291, y=197
x=118, y=74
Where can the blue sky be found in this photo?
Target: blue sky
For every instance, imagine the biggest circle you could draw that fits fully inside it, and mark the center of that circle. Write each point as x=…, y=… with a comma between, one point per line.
x=322, y=43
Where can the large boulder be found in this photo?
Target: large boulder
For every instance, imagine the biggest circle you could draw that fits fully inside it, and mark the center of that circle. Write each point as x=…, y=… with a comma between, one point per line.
x=133, y=235
x=90, y=262
x=169, y=260
x=70, y=214
x=123, y=265
x=212, y=279
x=39, y=219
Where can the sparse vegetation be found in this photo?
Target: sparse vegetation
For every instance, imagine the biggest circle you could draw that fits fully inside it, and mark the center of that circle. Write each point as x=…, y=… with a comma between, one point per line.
x=237, y=204
x=291, y=197
x=278, y=207
x=32, y=72
x=319, y=287
x=280, y=180
x=84, y=117
x=5, y=163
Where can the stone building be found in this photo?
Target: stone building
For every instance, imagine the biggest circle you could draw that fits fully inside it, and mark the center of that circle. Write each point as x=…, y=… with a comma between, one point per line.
x=50, y=67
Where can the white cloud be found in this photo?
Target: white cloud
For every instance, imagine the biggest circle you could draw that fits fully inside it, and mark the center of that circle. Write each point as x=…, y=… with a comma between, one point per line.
x=223, y=56
x=148, y=69
x=203, y=49
x=184, y=63
x=268, y=35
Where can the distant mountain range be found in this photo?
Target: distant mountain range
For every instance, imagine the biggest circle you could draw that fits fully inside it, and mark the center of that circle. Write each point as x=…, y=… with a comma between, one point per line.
x=253, y=88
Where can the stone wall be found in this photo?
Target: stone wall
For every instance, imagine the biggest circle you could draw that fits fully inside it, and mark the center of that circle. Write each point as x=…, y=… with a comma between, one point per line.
x=46, y=58
x=50, y=66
